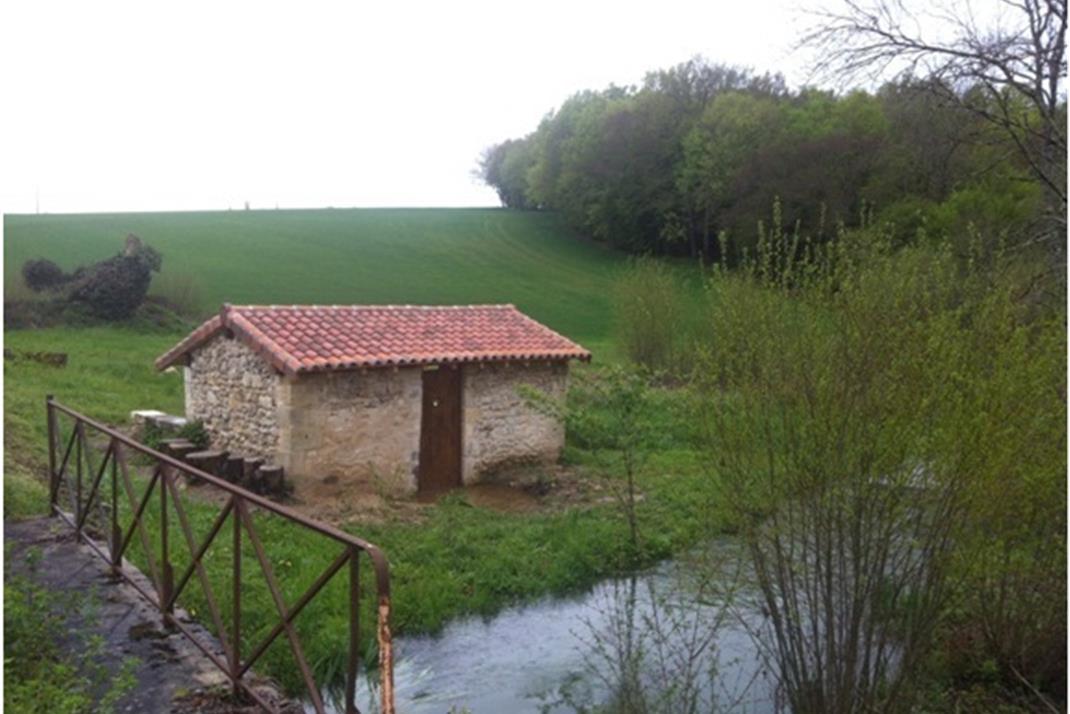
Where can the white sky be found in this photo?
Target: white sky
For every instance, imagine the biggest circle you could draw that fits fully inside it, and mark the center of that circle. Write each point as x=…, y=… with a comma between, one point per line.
x=130, y=106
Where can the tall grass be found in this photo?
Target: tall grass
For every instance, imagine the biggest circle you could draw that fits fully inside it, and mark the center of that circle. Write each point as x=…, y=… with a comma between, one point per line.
x=16, y=290
x=181, y=291
x=657, y=311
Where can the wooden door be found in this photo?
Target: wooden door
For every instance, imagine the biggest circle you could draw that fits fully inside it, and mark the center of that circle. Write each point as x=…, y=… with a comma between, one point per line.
x=440, y=430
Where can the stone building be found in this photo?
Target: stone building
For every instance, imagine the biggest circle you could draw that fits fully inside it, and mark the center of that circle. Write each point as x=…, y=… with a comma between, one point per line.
x=406, y=398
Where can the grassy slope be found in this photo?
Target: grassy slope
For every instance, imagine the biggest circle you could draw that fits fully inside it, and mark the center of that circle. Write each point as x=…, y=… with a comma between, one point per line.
x=432, y=256
x=462, y=559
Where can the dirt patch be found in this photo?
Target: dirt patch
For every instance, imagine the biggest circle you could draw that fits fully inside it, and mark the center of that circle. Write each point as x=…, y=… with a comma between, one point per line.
x=501, y=498
x=341, y=502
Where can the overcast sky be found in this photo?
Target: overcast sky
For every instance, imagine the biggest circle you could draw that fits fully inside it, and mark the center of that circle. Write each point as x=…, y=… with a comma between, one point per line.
x=115, y=107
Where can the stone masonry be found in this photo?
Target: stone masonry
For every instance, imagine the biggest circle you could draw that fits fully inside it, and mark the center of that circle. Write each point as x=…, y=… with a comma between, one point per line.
x=501, y=427
x=362, y=427
x=357, y=426
x=235, y=393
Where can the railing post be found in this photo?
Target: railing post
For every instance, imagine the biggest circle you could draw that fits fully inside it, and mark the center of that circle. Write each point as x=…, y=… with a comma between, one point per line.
x=79, y=438
x=53, y=481
x=235, y=648
x=116, y=534
x=386, y=655
x=354, y=631
x=166, y=575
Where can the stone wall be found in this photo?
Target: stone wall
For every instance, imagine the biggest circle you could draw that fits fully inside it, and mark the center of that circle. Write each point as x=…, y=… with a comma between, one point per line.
x=501, y=428
x=363, y=427
x=359, y=427
x=234, y=392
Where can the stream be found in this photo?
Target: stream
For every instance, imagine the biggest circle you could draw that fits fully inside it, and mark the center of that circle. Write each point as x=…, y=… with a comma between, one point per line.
x=664, y=635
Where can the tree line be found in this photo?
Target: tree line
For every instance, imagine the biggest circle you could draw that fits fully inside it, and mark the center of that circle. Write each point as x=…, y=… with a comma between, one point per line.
x=702, y=149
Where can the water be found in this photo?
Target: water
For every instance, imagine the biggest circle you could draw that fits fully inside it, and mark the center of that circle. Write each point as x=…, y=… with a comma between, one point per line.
x=560, y=654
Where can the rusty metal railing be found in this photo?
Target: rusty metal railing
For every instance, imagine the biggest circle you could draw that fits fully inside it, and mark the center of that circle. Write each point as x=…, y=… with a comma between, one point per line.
x=71, y=469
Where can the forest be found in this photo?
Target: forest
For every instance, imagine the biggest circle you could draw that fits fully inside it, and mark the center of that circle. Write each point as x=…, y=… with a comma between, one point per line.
x=701, y=149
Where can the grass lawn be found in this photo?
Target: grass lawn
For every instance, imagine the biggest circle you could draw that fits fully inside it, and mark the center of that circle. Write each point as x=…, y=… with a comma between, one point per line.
x=458, y=559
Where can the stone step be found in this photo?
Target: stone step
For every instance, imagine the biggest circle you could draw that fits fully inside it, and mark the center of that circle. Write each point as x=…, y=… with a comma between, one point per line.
x=179, y=448
x=269, y=479
x=210, y=461
x=232, y=468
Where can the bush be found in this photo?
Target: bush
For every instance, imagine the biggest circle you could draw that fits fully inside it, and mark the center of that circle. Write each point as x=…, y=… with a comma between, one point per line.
x=650, y=313
x=114, y=288
x=890, y=428
x=41, y=274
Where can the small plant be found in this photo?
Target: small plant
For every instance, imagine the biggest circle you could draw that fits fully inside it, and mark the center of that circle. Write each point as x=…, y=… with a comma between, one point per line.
x=153, y=436
x=195, y=433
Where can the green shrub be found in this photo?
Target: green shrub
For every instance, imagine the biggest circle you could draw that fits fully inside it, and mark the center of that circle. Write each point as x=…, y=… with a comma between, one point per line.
x=653, y=312
x=868, y=403
x=114, y=288
x=153, y=436
x=42, y=274
x=195, y=432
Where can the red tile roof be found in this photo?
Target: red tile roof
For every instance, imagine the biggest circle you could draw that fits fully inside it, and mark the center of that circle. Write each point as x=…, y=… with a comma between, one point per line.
x=314, y=338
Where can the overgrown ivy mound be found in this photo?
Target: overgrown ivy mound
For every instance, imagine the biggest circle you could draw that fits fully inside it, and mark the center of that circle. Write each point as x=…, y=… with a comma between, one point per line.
x=42, y=274
x=111, y=289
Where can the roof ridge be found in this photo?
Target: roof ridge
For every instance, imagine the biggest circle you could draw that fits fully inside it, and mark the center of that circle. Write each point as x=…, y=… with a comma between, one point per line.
x=371, y=306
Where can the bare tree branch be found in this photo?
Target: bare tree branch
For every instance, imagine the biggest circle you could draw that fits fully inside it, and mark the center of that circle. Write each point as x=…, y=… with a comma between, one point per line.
x=1011, y=75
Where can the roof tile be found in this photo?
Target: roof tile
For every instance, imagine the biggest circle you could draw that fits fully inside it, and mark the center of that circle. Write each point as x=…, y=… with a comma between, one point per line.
x=307, y=338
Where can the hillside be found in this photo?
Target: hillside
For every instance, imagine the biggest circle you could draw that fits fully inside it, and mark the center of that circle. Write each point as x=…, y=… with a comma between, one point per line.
x=431, y=256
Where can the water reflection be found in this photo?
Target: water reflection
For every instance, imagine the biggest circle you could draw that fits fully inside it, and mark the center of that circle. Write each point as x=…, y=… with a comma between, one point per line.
x=675, y=639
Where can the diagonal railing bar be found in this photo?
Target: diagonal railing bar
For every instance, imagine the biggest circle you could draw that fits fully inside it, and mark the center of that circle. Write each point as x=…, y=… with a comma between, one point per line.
x=102, y=502
x=98, y=502
x=63, y=466
x=157, y=582
x=209, y=594
x=202, y=549
x=296, y=609
x=79, y=452
x=96, y=484
x=126, y=539
x=280, y=605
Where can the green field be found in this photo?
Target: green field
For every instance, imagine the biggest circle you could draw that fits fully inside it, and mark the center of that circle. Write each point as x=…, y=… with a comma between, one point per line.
x=336, y=256
x=459, y=559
